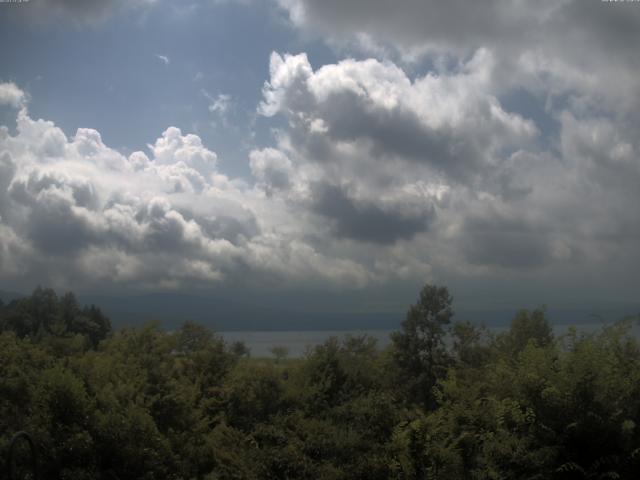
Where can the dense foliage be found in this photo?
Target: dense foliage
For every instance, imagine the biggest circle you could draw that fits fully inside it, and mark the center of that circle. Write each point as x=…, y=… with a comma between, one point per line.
x=445, y=400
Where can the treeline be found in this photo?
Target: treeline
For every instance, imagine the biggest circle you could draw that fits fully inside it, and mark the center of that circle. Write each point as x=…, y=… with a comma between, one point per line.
x=445, y=400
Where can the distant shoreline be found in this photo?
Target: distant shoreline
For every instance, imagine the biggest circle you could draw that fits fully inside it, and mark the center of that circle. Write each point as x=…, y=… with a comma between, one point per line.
x=260, y=342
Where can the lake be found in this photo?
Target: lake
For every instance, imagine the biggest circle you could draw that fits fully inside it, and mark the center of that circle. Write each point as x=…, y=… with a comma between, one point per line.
x=260, y=343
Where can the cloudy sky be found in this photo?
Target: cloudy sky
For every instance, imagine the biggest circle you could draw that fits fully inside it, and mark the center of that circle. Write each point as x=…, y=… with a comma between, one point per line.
x=323, y=152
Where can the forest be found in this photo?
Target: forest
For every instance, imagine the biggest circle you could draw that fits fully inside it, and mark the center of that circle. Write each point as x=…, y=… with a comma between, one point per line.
x=446, y=400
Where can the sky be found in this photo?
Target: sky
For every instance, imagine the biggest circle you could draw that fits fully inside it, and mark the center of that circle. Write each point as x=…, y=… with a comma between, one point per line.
x=329, y=155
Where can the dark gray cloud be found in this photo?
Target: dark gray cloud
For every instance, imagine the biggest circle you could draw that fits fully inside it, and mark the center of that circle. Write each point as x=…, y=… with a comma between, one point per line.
x=7, y=171
x=366, y=221
x=608, y=148
x=76, y=11
x=55, y=229
x=456, y=23
x=52, y=223
x=508, y=250
x=593, y=28
x=31, y=190
x=505, y=242
x=399, y=132
x=272, y=169
x=164, y=228
x=580, y=48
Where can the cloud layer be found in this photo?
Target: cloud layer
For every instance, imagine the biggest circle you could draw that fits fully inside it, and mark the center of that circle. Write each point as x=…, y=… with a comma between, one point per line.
x=75, y=211
x=79, y=12
x=374, y=173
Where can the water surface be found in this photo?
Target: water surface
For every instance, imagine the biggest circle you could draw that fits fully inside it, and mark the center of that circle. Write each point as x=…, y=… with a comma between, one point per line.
x=260, y=343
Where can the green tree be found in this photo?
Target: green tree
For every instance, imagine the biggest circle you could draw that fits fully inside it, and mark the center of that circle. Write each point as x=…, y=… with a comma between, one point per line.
x=33, y=316
x=469, y=345
x=418, y=350
x=92, y=323
x=193, y=337
x=240, y=349
x=253, y=395
x=45, y=315
x=279, y=353
x=527, y=326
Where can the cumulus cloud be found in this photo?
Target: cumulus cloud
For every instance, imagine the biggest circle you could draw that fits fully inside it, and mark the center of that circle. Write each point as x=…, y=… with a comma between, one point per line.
x=494, y=141
x=516, y=199
x=555, y=48
x=446, y=122
x=272, y=169
x=436, y=165
x=74, y=211
x=11, y=95
x=374, y=173
x=374, y=153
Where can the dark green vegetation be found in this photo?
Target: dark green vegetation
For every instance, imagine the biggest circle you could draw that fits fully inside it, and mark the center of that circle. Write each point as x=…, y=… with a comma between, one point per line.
x=446, y=400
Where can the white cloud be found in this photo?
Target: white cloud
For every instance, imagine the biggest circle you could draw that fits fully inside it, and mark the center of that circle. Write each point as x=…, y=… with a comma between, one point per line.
x=220, y=104
x=163, y=58
x=11, y=95
x=75, y=212
x=446, y=127
x=173, y=147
